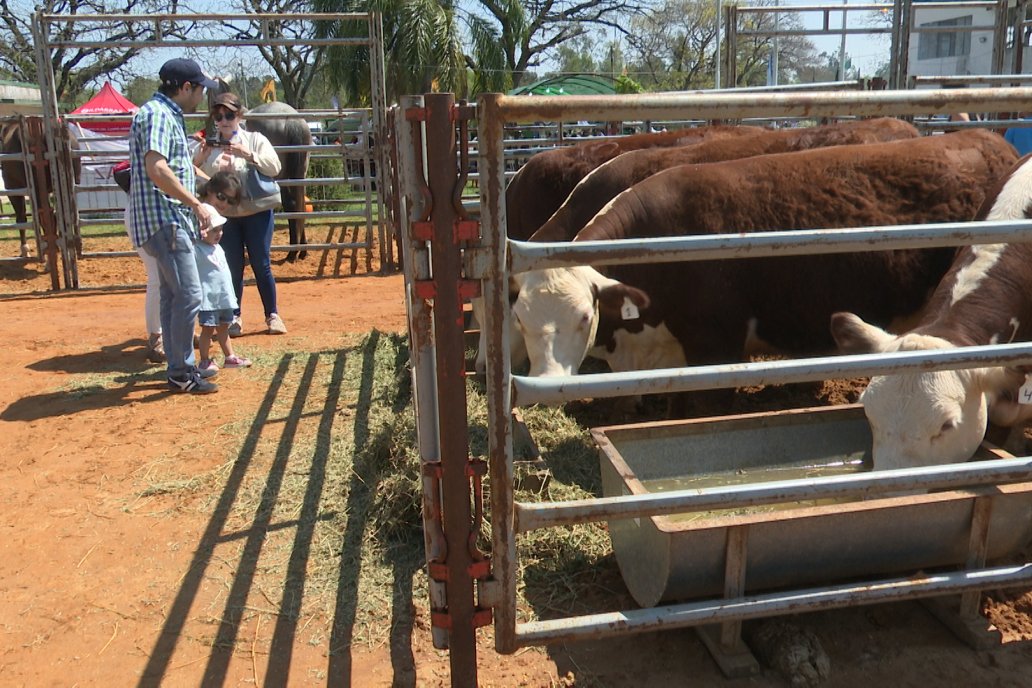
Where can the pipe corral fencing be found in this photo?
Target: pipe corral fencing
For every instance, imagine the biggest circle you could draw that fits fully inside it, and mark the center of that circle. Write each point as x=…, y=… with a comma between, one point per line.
x=449, y=257
x=359, y=145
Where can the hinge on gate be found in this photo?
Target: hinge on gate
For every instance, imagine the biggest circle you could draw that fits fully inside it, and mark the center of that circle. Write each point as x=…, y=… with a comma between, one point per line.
x=461, y=112
x=427, y=289
x=423, y=231
x=442, y=619
x=415, y=114
x=462, y=230
x=466, y=230
x=424, y=289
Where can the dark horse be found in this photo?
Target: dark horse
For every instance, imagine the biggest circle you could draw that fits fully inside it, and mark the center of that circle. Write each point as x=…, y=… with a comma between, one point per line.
x=15, y=176
x=288, y=131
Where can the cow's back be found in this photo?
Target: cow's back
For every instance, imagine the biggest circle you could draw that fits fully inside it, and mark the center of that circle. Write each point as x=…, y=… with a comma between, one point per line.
x=611, y=178
x=543, y=183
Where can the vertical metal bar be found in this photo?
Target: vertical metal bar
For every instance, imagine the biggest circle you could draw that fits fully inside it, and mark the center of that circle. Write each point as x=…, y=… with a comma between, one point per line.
x=731, y=27
x=59, y=163
x=378, y=96
x=999, y=36
x=906, y=22
x=43, y=220
x=491, y=165
x=978, y=550
x=894, y=81
x=1019, y=37
x=446, y=264
x=411, y=203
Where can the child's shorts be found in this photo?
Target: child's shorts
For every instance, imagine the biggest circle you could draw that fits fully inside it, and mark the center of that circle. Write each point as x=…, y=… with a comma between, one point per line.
x=215, y=318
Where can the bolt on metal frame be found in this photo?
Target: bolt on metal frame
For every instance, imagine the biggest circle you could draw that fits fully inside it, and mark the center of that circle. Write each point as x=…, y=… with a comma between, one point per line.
x=492, y=259
x=68, y=226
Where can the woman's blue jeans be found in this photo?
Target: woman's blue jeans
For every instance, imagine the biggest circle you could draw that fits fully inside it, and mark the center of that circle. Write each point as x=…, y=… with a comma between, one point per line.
x=173, y=249
x=253, y=232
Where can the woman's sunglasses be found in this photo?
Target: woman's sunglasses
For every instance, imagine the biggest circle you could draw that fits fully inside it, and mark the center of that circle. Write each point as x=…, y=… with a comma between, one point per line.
x=229, y=117
x=232, y=200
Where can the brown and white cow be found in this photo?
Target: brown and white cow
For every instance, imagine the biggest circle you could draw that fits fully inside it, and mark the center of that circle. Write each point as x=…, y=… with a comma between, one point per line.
x=610, y=178
x=665, y=315
x=938, y=417
x=540, y=187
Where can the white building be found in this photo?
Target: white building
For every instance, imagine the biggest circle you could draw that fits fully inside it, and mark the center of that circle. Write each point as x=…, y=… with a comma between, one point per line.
x=965, y=51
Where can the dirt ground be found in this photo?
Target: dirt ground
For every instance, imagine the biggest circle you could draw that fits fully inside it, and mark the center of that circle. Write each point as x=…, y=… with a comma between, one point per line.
x=106, y=581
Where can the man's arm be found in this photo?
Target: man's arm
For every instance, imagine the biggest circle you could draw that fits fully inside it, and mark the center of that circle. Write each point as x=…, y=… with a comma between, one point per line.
x=165, y=179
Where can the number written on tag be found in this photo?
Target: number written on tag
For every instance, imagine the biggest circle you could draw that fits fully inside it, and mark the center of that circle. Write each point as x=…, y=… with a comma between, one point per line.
x=1025, y=393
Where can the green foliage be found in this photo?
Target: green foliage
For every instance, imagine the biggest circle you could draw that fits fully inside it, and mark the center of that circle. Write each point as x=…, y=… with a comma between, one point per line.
x=625, y=84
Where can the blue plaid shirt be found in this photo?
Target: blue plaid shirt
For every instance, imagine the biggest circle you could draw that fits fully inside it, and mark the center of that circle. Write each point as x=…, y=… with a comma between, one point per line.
x=158, y=126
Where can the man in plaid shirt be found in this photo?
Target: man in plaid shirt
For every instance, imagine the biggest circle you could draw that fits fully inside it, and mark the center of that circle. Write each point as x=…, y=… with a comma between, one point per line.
x=166, y=218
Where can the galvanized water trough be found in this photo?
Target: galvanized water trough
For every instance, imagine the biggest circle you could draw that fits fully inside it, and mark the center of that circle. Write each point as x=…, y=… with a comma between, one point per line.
x=666, y=558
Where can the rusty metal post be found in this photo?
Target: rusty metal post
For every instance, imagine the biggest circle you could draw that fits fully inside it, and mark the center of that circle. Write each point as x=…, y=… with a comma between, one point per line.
x=34, y=148
x=446, y=264
x=411, y=204
x=491, y=166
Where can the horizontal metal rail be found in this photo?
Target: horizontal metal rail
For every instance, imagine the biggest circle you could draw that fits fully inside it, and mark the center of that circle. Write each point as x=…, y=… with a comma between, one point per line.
x=530, y=255
x=771, y=604
x=527, y=391
x=535, y=515
x=734, y=106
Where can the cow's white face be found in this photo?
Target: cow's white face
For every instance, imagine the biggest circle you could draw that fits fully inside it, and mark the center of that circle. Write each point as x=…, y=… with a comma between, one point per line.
x=917, y=419
x=556, y=312
x=923, y=419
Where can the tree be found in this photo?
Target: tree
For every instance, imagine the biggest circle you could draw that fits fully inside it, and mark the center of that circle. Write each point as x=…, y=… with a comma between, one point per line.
x=575, y=56
x=296, y=68
x=76, y=68
x=421, y=45
x=673, y=47
x=425, y=51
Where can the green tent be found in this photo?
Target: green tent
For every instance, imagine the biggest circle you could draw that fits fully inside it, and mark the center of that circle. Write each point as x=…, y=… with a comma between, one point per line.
x=569, y=85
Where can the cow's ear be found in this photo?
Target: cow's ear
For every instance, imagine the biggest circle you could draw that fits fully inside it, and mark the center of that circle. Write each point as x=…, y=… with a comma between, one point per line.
x=605, y=148
x=854, y=336
x=611, y=298
x=1001, y=379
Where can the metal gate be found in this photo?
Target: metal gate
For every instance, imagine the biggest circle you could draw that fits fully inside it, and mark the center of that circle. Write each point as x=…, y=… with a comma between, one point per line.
x=448, y=259
x=51, y=31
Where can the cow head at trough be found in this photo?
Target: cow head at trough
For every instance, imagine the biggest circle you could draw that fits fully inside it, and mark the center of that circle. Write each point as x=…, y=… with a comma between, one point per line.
x=558, y=312
x=927, y=418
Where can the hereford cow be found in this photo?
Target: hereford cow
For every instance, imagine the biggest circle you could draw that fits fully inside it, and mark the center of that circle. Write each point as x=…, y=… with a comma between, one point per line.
x=665, y=315
x=920, y=419
x=541, y=185
x=603, y=184
x=609, y=179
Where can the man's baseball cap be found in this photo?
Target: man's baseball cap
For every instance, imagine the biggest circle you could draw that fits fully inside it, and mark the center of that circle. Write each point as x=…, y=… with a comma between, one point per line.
x=182, y=70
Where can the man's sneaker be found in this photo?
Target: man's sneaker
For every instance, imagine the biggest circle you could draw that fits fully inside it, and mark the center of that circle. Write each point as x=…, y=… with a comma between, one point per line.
x=192, y=383
x=208, y=365
x=236, y=362
x=275, y=324
x=210, y=371
x=236, y=328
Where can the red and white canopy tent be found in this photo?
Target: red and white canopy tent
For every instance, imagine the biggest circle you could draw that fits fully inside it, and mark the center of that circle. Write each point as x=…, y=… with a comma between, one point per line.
x=110, y=138
x=108, y=101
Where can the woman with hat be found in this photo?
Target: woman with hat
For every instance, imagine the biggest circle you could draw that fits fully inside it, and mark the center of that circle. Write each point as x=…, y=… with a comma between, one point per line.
x=250, y=224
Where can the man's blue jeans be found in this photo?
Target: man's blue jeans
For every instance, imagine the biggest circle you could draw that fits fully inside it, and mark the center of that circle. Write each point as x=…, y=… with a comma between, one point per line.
x=173, y=248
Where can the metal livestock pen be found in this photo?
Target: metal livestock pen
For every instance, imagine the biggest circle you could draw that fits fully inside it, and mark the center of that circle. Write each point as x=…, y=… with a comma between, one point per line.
x=449, y=257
